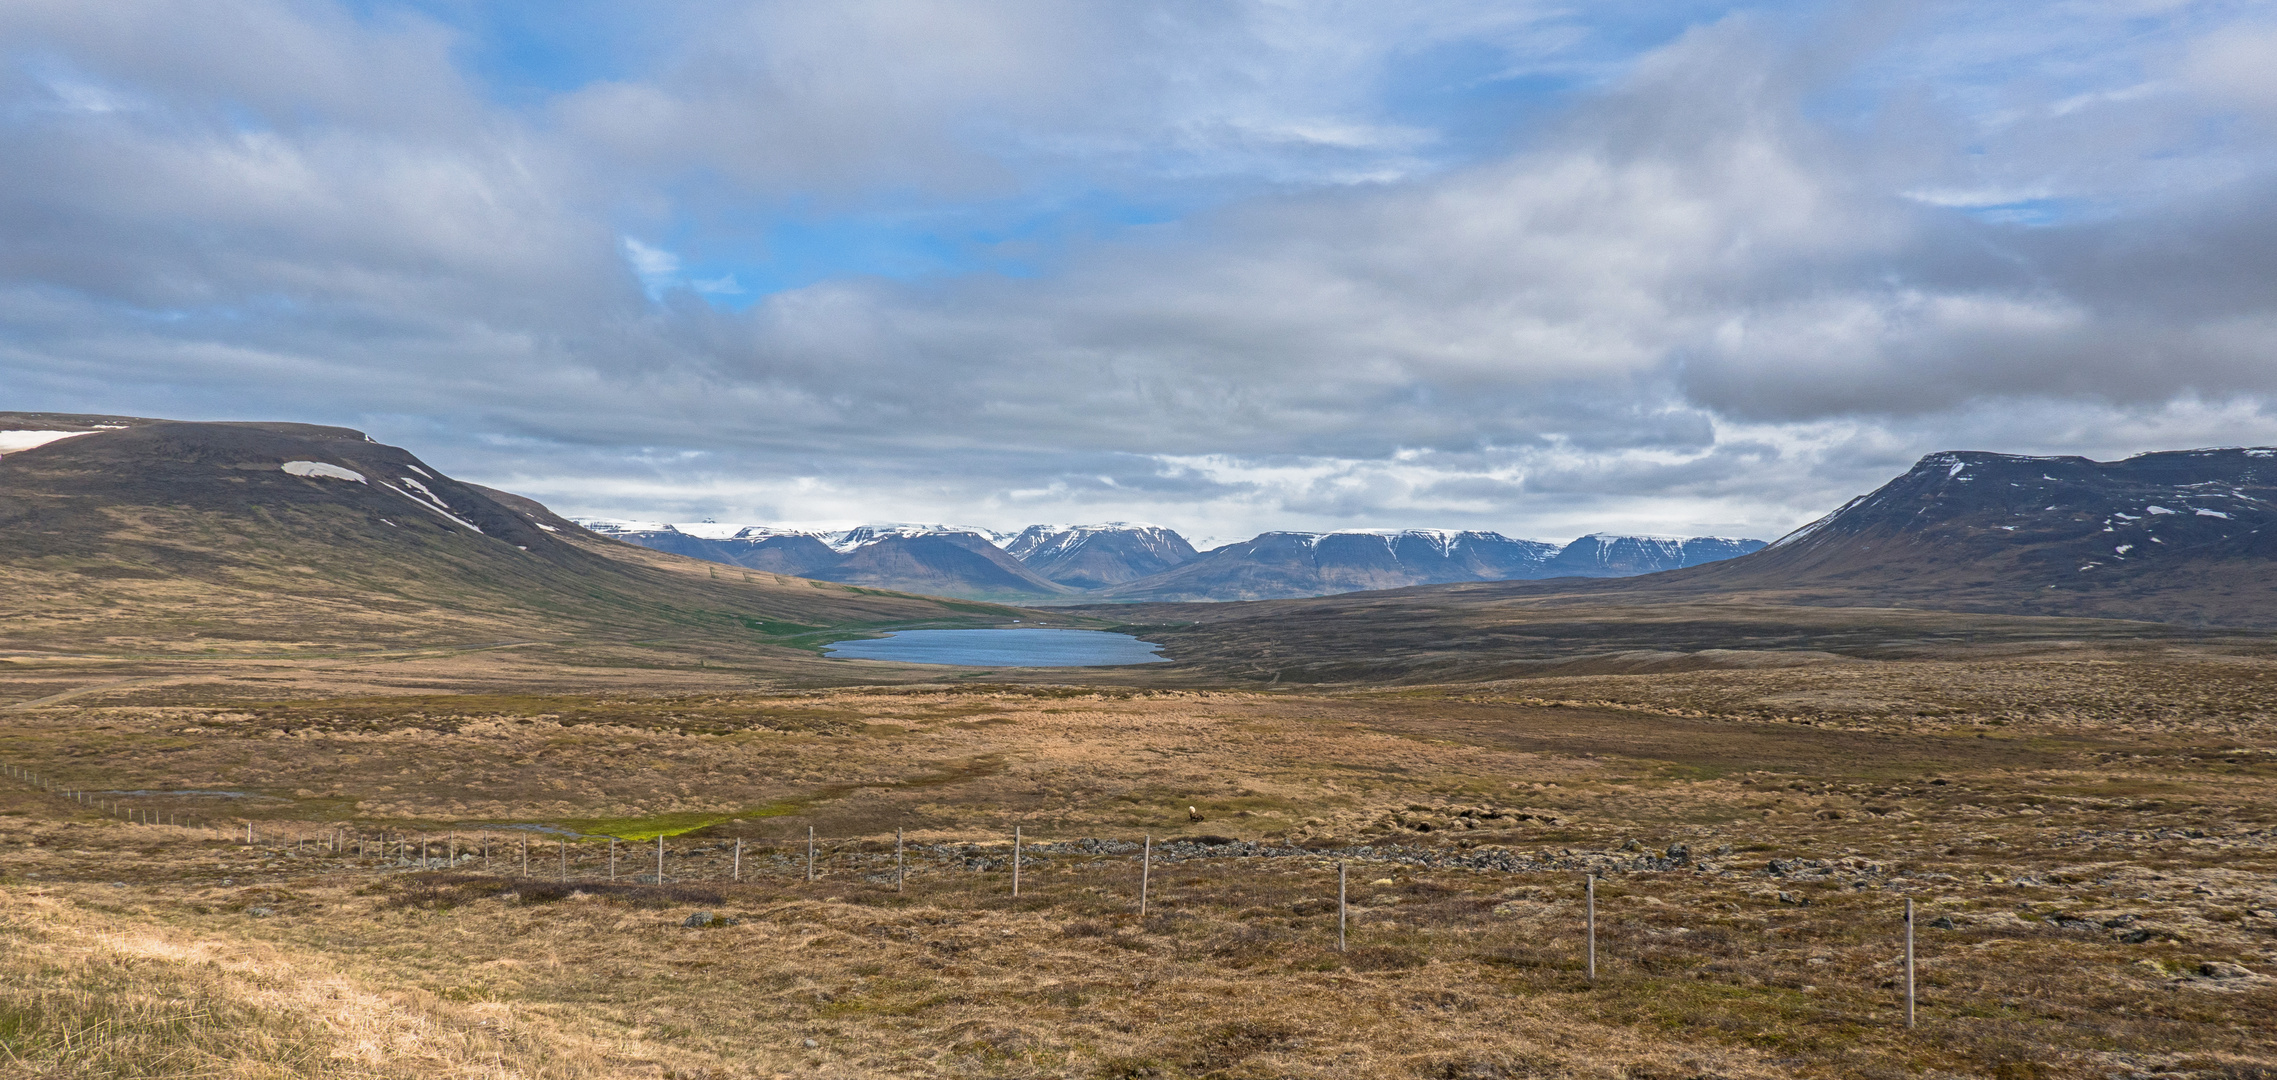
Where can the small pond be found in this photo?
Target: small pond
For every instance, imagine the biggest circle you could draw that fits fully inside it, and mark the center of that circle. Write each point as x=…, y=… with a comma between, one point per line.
x=1002, y=648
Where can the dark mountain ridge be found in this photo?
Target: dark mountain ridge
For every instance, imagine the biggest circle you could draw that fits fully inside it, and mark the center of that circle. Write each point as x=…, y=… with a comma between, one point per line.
x=2186, y=536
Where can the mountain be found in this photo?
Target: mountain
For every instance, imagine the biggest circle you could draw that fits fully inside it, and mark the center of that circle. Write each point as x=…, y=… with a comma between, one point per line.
x=935, y=560
x=1607, y=555
x=863, y=535
x=2185, y=536
x=1098, y=556
x=939, y=563
x=189, y=538
x=752, y=546
x=1295, y=564
x=1131, y=562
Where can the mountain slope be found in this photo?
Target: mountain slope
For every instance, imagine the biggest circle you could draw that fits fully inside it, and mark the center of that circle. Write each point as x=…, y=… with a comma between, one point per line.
x=1098, y=556
x=2185, y=536
x=163, y=536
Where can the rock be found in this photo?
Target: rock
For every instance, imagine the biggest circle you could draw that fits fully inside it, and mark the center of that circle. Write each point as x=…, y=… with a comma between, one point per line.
x=259, y=912
x=1679, y=852
x=1791, y=898
x=703, y=919
x=1944, y=922
x=1632, y=846
x=809, y=1044
x=2219, y=969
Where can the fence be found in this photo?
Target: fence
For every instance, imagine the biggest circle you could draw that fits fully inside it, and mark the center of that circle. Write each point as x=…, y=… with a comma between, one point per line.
x=427, y=852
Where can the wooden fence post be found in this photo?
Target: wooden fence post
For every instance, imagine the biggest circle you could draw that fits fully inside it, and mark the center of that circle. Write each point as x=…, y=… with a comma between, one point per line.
x=612, y=860
x=900, y=868
x=660, y=858
x=565, y=858
x=1340, y=916
x=1146, y=871
x=810, y=853
x=525, y=856
x=1909, y=961
x=738, y=873
x=1015, y=862
x=1592, y=895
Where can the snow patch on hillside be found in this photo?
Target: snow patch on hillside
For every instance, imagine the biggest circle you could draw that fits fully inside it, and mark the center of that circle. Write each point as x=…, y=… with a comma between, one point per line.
x=319, y=470
x=12, y=442
x=427, y=499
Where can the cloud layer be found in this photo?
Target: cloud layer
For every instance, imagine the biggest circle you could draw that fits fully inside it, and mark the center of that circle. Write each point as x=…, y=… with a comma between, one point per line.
x=1226, y=267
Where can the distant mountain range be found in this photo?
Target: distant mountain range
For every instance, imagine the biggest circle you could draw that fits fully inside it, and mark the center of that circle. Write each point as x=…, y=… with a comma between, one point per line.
x=1135, y=562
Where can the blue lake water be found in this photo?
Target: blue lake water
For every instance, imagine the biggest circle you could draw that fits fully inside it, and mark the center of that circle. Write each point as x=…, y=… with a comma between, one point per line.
x=1002, y=648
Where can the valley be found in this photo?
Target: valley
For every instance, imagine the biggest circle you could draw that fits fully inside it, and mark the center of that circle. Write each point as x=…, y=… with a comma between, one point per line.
x=314, y=771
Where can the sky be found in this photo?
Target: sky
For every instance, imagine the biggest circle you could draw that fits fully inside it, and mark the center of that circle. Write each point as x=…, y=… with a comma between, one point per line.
x=1543, y=268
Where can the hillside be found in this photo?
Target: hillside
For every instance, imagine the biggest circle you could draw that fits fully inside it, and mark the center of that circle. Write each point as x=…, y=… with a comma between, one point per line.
x=193, y=538
x=2186, y=537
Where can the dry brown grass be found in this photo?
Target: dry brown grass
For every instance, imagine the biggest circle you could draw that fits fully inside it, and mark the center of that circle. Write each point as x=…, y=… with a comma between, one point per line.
x=2100, y=835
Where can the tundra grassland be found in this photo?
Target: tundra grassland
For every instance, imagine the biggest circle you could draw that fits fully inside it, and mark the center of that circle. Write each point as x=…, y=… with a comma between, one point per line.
x=2088, y=837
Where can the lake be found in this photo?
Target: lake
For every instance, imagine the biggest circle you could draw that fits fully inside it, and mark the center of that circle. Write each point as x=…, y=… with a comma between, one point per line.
x=1002, y=648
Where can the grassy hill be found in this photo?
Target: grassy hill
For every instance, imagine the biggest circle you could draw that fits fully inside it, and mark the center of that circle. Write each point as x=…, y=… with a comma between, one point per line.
x=154, y=537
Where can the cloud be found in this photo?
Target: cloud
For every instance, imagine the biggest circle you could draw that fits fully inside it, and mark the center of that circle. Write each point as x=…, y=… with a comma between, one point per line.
x=1713, y=284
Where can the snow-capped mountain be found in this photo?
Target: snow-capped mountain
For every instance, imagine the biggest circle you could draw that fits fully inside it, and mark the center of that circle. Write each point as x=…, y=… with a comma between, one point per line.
x=847, y=541
x=1279, y=565
x=936, y=560
x=1097, y=556
x=1136, y=561
x=1610, y=555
